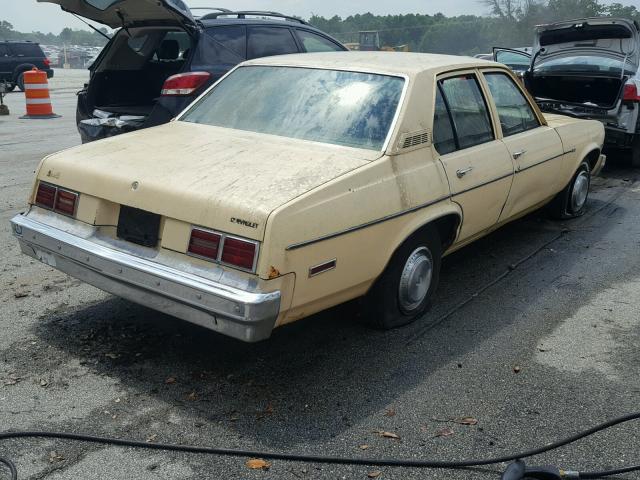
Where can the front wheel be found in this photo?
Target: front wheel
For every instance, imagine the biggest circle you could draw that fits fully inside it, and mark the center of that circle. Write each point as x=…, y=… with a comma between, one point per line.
x=405, y=289
x=572, y=201
x=9, y=87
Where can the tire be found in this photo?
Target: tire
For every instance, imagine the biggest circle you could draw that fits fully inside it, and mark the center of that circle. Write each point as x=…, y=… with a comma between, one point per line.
x=401, y=295
x=572, y=201
x=635, y=152
x=20, y=81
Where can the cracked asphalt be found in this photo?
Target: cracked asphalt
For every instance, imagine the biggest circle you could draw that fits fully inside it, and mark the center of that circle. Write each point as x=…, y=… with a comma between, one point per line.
x=550, y=349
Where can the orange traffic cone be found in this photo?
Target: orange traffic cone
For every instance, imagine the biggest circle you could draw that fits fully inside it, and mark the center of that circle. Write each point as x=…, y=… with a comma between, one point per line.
x=36, y=90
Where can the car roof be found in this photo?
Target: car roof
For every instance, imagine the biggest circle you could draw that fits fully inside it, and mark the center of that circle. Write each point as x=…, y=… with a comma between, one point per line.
x=215, y=22
x=401, y=63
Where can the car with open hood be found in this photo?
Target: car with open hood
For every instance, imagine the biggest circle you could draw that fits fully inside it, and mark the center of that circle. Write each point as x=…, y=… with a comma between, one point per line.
x=343, y=175
x=164, y=55
x=588, y=68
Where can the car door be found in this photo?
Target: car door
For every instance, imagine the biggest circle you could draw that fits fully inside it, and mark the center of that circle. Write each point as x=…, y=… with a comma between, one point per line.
x=536, y=149
x=477, y=164
x=516, y=60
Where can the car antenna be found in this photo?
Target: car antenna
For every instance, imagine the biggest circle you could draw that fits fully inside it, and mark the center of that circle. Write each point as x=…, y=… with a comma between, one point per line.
x=91, y=26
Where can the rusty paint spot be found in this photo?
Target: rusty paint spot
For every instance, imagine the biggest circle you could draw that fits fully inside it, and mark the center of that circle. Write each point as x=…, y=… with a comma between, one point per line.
x=273, y=272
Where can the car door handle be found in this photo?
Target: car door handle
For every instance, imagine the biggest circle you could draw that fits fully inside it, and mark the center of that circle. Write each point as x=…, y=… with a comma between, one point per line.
x=463, y=171
x=519, y=154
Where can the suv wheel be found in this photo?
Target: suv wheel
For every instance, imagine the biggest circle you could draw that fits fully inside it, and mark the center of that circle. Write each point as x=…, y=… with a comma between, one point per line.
x=635, y=153
x=20, y=81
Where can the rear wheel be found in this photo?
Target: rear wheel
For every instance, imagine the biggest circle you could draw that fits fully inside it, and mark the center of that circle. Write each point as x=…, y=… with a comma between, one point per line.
x=406, y=288
x=635, y=152
x=572, y=201
x=20, y=81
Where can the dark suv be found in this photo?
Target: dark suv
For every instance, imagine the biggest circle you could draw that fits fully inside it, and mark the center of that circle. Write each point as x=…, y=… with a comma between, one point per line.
x=163, y=57
x=18, y=57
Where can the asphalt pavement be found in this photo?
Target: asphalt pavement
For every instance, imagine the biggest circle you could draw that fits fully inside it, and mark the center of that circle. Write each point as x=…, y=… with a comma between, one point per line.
x=502, y=363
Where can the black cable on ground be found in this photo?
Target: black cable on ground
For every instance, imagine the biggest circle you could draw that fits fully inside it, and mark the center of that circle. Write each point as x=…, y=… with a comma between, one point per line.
x=327, y=459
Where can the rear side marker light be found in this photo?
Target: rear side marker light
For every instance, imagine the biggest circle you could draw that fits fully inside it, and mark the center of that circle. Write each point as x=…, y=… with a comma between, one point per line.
x=204, y=244
x=46, y=196
x=66, y=202
x=184, y=84
x=323, y=267
x=239, y=253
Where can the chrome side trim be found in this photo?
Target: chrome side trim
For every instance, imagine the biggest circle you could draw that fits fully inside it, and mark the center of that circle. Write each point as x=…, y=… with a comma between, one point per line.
x=544, y=161
x=243, y=314
x=306, y=243
x=506, y=175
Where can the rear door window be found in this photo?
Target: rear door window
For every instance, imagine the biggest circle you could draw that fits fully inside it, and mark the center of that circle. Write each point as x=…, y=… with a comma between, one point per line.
x=468, y=109
x=444, y=139
x=515, y=112
x=316, y=43
x=4, y=51
x=231, y=37
x=268, y=41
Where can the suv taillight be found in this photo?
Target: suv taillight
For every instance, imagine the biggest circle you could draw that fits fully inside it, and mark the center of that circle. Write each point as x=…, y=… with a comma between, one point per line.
x=630, y=93
x=224, y=249
x=56, y=199
x=184, y=83
x=47, y=62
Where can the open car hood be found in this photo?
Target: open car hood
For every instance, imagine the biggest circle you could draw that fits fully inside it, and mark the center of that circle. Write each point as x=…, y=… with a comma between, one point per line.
x=118, y=13
x=607, y=37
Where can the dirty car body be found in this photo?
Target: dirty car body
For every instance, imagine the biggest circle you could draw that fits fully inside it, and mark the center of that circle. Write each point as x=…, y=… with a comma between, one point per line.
x=259, y=207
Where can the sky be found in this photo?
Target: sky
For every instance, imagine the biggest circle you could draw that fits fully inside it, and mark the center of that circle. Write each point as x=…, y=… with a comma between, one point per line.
x=28, y=15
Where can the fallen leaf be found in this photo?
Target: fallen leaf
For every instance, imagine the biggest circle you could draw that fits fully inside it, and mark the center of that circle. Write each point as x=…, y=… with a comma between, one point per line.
x=43, y=382
x=152, y=438
x=112, y=356
x=266, y=412
x=516, y=369
x=466, y=421
x=258, y=464
x=390, y=412
x=364, y=447
x=192, y=397
x=55, y=457
x=387, y=434
x=170, y=380
x=374, y=474
x=444, y=432
x=21, y=294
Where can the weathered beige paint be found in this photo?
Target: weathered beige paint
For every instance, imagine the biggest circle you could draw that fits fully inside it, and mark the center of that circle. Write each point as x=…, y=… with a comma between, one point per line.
x=366, y=203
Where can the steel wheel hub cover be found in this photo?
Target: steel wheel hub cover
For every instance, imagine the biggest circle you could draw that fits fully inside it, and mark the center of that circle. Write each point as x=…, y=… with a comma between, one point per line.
x=415, y=279
x=579, y=192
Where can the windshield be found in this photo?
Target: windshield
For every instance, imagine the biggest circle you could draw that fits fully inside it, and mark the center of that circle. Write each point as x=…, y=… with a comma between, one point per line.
x=584, y=63
x=329, y=106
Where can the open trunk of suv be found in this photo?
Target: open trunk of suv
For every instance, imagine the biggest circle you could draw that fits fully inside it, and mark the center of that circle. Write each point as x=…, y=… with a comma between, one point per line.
x=586, y=90
x=127, y=79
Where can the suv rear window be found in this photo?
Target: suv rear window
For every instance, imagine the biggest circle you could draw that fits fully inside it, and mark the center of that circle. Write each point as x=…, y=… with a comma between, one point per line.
x=268, y=41
x=27, y=50
x=316, y=43
x=232, y=37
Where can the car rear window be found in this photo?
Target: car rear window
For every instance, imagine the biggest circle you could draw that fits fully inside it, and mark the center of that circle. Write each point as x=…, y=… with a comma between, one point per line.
x=584, y=63
x=27, y=50
x=329, y=106
x=316, y=43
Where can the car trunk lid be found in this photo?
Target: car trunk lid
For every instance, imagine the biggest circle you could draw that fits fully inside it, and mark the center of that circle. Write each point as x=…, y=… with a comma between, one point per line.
x=214, y=177
x=127, y=13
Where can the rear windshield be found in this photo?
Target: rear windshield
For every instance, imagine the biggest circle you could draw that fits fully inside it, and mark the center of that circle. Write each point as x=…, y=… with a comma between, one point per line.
x=585, y=63
x=27, y=50
x=329, y=106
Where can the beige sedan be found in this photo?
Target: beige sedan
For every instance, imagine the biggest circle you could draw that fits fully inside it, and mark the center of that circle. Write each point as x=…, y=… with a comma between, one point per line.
x=300, y=182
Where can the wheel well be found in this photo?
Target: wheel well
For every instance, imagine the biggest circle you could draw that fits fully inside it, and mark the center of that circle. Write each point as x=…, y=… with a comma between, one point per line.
x=447, y=227
x=592, y=158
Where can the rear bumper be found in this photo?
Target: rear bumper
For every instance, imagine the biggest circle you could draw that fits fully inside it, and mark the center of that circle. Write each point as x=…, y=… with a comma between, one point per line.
x=602, y=161
x=244, y=315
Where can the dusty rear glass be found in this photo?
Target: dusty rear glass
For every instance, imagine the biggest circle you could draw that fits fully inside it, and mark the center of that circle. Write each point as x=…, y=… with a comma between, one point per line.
x=328, y=106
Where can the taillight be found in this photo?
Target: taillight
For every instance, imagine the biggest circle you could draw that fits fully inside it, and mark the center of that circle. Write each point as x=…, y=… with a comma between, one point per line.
x=66, y=202
x=239, y=253
x=46, y=195
x=630, y=93
x=184, y=83
x=56, y=199
x=204, y=244
x=47, y=62
x=221, y=248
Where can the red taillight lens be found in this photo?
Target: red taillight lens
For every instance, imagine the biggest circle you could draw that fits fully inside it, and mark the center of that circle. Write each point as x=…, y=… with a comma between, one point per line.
x=46, y=195
x=239, y=253
x=66, y=202
x=204, y=244
x=47, y=62
x=630, y=93
x=184, y=83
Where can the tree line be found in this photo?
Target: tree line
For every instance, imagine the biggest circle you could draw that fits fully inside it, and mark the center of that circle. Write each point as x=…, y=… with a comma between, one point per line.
x=508, y=23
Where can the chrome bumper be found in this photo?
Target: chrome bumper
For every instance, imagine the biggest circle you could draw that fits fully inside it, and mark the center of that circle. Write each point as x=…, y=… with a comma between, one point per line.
x=602, y=161
x=245, y=315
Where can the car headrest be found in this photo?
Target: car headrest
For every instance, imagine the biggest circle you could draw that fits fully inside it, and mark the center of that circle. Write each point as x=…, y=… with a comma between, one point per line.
x=169, y=50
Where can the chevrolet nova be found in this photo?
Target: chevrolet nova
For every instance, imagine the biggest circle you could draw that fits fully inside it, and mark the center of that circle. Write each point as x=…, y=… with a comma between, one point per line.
x=300, y=182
